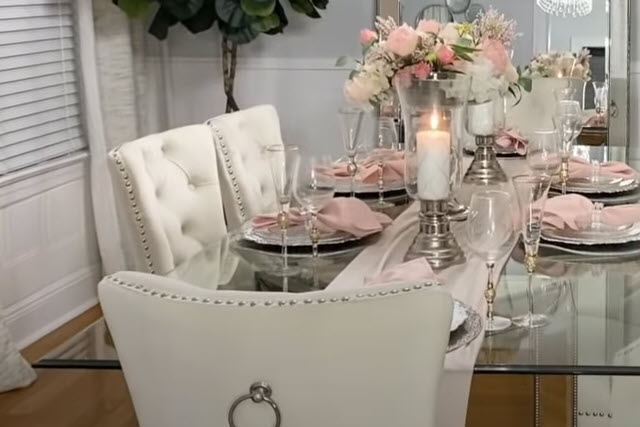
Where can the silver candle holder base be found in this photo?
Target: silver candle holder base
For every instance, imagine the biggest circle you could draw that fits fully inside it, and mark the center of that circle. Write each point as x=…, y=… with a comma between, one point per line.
x=485, y=169
x=434, y=241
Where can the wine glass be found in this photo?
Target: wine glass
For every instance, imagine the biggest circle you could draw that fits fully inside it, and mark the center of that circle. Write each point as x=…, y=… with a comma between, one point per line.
x=600, y=100
x=283, y=160
x=315, y=186
x=356, y=128
x=568, y=122
x=532, y=192
x=489, y=228
x=385, y=146
x=544, y=152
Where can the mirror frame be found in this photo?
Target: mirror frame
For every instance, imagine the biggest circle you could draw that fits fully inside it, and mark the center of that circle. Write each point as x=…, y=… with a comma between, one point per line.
x=618, y=72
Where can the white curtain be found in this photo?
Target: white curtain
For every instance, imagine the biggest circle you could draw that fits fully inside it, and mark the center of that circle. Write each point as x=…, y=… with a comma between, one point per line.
x=123, y=100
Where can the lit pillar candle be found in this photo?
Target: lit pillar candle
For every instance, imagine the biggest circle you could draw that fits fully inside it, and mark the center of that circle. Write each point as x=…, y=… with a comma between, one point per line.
x=433, y=150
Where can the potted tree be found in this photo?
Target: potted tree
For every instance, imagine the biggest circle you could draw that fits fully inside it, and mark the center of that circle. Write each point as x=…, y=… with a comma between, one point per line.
x=239, y=22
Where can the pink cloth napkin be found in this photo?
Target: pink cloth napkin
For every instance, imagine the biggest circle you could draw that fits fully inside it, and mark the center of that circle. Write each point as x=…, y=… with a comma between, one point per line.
x=415, y=271
x=346, y=214
x=368, y=171
x=575, y=212
x=510, y=137
x=580, y=168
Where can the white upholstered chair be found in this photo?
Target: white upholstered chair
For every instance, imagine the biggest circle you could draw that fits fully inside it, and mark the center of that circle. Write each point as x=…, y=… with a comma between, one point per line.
x=167, y=188
x=245, y=175
x=369, y=357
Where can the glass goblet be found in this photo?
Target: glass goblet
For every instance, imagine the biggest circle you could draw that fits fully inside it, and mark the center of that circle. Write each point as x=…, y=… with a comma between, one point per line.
x=544, y=152
x=568, y=123
x=385, y=146
x=489, y=228
x=283, y=160
x=532, y=192
x=566, y=94
x=356, y=128
x=315, y=186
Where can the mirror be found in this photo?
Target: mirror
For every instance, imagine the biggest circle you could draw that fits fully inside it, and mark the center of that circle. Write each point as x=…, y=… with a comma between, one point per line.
x=604, y=31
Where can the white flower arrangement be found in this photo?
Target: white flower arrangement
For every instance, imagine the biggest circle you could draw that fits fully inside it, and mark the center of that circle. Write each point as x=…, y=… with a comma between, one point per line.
x=561, y=64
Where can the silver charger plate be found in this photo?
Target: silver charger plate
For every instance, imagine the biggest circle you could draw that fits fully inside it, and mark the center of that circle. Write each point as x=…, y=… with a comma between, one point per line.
x=587, y=237
x=605, y=185
x=500, y=151
x=467, y=331
x=459, y=315
x=297, y=236
x=592, y=253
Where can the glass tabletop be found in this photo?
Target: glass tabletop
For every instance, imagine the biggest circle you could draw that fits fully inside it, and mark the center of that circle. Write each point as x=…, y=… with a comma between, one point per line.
x=592, y=303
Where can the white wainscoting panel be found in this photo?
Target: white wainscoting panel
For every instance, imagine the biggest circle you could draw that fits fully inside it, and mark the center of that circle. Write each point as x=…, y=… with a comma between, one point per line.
x=49, y=263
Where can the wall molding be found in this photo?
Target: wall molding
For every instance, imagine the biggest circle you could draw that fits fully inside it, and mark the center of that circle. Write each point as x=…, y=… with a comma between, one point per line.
x=246, y=63
x=47, y=309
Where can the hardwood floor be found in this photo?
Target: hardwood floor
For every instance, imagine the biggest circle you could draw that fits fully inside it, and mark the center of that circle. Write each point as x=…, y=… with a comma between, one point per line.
x=100, y=398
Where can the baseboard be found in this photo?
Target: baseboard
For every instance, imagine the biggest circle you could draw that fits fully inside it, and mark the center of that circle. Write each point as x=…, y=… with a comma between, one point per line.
x=53, y=306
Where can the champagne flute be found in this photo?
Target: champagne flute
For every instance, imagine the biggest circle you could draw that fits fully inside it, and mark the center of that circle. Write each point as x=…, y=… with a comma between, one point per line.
x=356, y=127
x=283, y=160
x=315, y=186
x=544, y=152
x=489, y=228
x=532, y=192
x=385, y=146
x=600, y=100
x=568, y=122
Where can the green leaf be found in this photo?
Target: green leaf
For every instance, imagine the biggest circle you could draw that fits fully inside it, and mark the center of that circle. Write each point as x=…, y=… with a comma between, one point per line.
x=181, y=9
x=262, y=25
x=162, y=20
x=262, y=8
x=320, y=4
x=526, y=83
x=306, y=7
x=282, y=16
x=342, y=61
x=134, y=8
x=231, y=13
x=203, y=20
x=241, y=35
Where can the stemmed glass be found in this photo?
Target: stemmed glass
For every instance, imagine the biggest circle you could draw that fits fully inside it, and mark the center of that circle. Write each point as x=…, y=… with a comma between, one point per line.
x=315, y=186
x=532, y=192
x=356, y=126
x=568, y=122
x=489, y=228
x=283, y=160
x=385, y=146
x=544, y=152
x=600, y=100
x=566, y=94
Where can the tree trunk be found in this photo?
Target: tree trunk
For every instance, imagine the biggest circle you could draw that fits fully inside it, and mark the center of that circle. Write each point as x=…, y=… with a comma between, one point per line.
x=229, y=62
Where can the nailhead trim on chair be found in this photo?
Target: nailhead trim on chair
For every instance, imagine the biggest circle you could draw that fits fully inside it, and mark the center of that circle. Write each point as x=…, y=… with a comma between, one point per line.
x=134, y=207
x=595, y=414
x=255, y=303
x=227, y=162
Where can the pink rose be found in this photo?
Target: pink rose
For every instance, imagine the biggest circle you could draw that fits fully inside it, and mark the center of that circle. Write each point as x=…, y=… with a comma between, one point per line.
x=421, y=71
x=429, y=26
x=497, y=54
x=367, y=37
x=445, y=55
x=403, y=40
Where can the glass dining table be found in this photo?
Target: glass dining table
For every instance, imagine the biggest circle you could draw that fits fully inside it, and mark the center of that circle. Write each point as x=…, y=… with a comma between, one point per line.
x=592, y=302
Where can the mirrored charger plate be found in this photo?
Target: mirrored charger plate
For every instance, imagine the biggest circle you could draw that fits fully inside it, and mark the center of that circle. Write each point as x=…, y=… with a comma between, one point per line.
x=610, y=199
x=500, y=151
x=604, y=185
x=297, y=236
x=467, y=331
x=343, y=186
x=606, y=236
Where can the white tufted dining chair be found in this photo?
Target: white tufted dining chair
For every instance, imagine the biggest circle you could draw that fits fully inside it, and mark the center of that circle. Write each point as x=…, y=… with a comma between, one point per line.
x=245, y=174
x=167, y=187
x=367, y=357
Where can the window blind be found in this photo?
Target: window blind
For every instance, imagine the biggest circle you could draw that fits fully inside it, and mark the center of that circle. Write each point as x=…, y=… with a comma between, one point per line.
x=40, y=114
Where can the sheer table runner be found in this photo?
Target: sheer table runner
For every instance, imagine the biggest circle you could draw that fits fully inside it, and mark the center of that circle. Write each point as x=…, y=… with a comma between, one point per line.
x=466, y=282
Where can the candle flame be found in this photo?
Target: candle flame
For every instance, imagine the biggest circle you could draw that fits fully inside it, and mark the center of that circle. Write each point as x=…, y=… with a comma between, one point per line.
x=434, y=121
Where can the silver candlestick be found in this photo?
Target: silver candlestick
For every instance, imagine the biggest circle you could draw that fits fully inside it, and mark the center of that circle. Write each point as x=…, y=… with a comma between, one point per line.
x=485, y=169
x=435, y=241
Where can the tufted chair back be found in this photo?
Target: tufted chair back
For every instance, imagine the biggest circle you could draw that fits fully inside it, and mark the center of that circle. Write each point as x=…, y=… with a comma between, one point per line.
x=364, y=357
x=245, y=174
x=167, y=187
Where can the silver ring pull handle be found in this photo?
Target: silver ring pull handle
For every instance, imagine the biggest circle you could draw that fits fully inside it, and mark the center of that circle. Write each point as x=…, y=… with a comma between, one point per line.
x=258, y=392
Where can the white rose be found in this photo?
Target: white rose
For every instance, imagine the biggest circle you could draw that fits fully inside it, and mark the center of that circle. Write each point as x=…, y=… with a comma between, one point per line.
x=449, y=34
x=357, y=91
x=511, y=74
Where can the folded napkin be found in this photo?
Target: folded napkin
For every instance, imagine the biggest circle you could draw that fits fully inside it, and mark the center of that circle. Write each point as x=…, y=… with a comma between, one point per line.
x=580, y=168
x=596, y=121
x=346, y=214
x=575, y=212
x=415, y=271
x=393, y=169
x=511, y=138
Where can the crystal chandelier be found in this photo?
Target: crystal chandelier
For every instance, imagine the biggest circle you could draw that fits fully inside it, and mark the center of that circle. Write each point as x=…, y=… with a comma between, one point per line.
x=564, y=8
